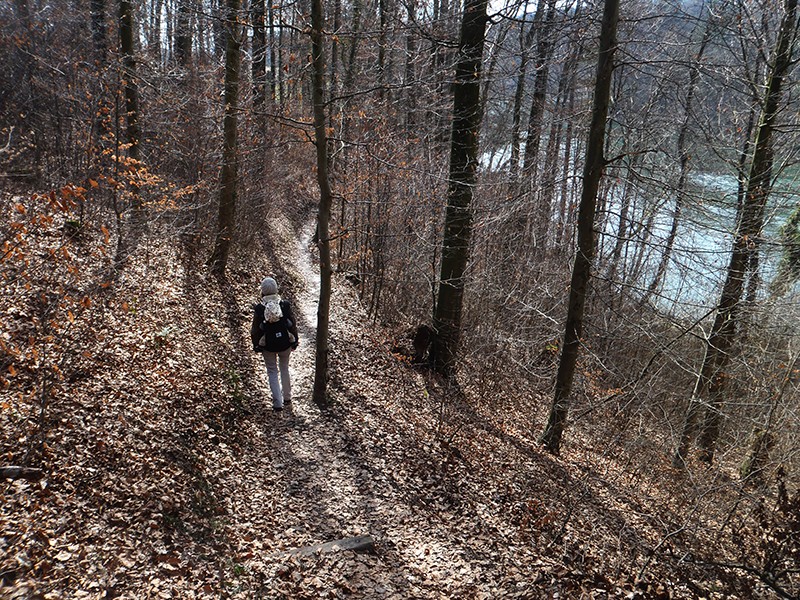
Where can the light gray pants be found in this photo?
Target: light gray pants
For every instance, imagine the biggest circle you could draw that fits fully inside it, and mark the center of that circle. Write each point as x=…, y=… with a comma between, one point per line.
x=281, y=387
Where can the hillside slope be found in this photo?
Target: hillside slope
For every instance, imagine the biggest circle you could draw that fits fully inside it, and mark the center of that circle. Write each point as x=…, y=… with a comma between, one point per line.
x=168, y=475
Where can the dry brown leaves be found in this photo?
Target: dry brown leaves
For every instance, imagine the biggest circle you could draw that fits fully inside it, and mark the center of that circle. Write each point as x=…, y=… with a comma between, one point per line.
x=168, y=476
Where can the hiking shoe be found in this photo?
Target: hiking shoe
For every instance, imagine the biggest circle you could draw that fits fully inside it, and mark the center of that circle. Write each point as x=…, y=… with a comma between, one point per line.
x=277, y=408
x=287, y=401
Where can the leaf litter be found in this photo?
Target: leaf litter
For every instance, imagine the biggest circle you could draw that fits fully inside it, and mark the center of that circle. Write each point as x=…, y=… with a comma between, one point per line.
x=168, y=475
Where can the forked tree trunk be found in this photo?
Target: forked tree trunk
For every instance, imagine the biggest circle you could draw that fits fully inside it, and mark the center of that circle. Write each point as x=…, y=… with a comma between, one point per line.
x=467, y=117
x=710, y=385
x=581, y=271
x=320, y=393
x=230, y=149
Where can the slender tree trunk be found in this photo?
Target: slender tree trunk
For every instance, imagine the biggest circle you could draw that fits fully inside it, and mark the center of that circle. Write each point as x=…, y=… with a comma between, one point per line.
x=100, y=125
x=623, y=225
x=525, y=42
x=259, y=64
x=97, y=9
x=320, y=394
x=564, y=234
x=131, y=89
x=710, y=385
x=274, y=66
x=494, y=52
x=544, y=47
x=581, y=271
x=230, y=150
x=383, y=17
x=556, y=141
x=350, y=73
x=467, y=117
x=183, y=34
x=334, y=67
x=219, y=29
x=410, y=76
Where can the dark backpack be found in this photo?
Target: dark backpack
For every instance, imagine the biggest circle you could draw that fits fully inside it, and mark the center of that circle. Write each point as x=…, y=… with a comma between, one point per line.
x=276, y=336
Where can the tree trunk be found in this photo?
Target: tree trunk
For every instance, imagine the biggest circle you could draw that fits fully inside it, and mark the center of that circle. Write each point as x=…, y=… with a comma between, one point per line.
x=555, y=141
x=334, y=66
x=258, y=10
x=320, y=394
x=544, y=49
x=564, y=232
x=410, y=76
x=183, y=34
x=97, y=9
x=219, y=30
x=516, y=114
x=467, y=118
x=710, y=384
x=355, y=37
x=581, y=271
x=383, y=17
x=230, y=150
x=274, y=57
x=131, y=89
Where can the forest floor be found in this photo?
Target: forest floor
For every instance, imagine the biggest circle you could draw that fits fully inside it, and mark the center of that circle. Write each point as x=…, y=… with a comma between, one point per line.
x=167, y=474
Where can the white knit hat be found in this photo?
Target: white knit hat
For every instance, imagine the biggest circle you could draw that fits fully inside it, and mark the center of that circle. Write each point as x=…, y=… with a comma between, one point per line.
x=269, y=287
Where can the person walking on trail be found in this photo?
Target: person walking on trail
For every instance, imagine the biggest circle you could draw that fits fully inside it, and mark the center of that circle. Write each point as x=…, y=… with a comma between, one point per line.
x=274, y=335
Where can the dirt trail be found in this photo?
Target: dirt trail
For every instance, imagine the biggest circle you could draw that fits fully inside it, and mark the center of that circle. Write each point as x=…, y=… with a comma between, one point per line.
x=310, y=477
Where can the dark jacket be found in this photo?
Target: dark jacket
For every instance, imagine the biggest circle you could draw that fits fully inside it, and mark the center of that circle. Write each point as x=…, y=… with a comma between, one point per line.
x=258, y=318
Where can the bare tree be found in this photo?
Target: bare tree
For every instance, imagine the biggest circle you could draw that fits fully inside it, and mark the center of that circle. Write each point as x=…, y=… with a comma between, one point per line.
x=230, y=148
x=183, y=33
x=467, y=116
x=581, y=270
x=320, y=395
x=708, y=394
x=130, y=83
x=258, y=11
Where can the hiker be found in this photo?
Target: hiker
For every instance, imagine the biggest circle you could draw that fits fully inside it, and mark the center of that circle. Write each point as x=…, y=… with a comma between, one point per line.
x=274, y=335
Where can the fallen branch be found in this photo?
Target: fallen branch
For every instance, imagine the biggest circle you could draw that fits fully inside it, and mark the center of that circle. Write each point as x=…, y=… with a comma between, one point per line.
x=28, y=473
x=363, y=543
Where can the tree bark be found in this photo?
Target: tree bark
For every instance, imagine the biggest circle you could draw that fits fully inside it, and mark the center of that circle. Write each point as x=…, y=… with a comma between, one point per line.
x=581, y=271
x=183, y=34
x=467, y=117
x=274, y=56
x=710, y=385
x=230, y=150
x=320, y=393
x=516, y=115
x=410, y=75
x=131, y=89
x=97, y=9
x=259, y=67
x=544, y=49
